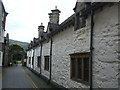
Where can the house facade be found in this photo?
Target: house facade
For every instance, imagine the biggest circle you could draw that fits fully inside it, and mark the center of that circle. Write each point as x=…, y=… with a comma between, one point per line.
x=6, y=56
x=3, y=15
x=82, y=51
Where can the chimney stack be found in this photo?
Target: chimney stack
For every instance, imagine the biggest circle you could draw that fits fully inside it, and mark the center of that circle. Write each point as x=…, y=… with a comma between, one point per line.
x=40, y=30
x=54, y=16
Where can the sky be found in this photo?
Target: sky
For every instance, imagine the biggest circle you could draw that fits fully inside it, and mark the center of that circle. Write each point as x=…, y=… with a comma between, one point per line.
x=26, y=15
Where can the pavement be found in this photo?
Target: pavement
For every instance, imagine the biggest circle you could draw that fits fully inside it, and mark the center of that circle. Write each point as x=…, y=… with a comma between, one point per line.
x=21, y=77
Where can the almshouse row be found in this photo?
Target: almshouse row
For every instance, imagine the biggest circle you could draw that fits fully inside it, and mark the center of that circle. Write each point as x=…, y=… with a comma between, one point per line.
x=82, y=51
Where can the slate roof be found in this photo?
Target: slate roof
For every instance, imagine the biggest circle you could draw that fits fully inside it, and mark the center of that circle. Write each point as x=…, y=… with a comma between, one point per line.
x=69, y=21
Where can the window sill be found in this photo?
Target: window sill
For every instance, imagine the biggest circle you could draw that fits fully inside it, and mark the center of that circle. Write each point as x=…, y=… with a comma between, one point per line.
x=80, y=81
x=46, y=70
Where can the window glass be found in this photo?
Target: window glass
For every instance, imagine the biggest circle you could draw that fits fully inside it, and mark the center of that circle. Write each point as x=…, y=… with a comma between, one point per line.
x=86, y=69
x=73, y=67
x=79, y=62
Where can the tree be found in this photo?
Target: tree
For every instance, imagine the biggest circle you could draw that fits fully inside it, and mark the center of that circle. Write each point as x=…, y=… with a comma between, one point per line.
x=15, y=47
x=16, y=52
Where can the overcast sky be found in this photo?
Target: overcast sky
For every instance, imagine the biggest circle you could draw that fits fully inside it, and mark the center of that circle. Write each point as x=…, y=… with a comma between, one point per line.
x=26, y=15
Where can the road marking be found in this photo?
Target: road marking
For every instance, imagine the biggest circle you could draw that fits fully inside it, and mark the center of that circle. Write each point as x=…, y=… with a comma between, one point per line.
x=28, y=77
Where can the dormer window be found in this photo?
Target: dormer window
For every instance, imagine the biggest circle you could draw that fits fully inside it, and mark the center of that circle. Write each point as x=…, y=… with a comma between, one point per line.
x=80, y=21
x=83, y=22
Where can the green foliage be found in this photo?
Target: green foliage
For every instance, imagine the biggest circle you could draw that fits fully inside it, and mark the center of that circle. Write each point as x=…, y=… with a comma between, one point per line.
x=24, y=45
x=17, y=57
x=18, y=62
x=15, y=47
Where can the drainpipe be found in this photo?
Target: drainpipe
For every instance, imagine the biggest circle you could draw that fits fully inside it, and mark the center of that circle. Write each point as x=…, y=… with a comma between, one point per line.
x=40, y=57
x=50, y=59
x=91, y=49
x=33, y=57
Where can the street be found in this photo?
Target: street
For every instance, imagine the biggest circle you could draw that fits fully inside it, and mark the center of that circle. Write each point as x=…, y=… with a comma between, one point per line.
x=21, y=77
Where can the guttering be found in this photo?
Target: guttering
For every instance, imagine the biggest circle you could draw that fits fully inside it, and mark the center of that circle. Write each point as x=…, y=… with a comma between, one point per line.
x=91, y=49
x=50, y=59
x=40, y=57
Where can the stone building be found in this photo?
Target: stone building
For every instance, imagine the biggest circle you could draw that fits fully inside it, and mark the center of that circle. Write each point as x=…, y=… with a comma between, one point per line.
x=6, y=57
x=82, y=51
x=3, y=15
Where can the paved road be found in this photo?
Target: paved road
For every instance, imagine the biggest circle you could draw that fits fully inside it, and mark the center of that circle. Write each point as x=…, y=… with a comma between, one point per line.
x=16, y=77
x=21, y=77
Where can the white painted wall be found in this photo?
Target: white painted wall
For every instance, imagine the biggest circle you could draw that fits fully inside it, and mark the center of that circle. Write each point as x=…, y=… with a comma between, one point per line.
x=45, y=52
x=1, y=56
x=105, y=56
x=2, y=32
x=65, y=43
x=29, y=54
x=0, y=21
x=105, y=53
x=36, y=54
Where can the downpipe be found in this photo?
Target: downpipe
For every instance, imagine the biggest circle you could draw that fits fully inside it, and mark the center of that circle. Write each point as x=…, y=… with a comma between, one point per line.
x=91, y=50
x=50, y=59
x=33, y=57
x=40, y=57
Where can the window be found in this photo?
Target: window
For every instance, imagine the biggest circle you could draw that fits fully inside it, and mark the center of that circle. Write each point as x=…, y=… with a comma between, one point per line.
x=29, y=60
x=46, y=63
x=83, y=22
x=80, y=67
x=32, y=60
x=38, y=61
x=80, y=21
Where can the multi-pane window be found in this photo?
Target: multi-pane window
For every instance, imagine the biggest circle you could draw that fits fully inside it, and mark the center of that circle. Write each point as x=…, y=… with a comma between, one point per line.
x=80, y=67
x=29, y=60
x=46, y=66
x=38, y=61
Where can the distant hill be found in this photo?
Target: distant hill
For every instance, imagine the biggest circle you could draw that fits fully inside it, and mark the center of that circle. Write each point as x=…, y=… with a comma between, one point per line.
x=24, y=45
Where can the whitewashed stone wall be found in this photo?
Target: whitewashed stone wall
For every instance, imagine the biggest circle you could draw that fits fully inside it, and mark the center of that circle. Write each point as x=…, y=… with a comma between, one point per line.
x=2, y=32
x=36, y=54
x=105, y=53
x=105, y=56
x=1, y=22
x=45, y=52
x=1, y=56
x=32, y=64
x=1, y=35
x=30, y=54
x=27, y=60
x=64, y=43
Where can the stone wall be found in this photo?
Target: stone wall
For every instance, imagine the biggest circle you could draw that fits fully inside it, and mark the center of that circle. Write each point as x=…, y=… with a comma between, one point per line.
x=70, y=41
x=30, y=54
x=1, y=36
x=2, y=32
x=1, y=21
x=65, y=43
x=45, y=52
x=1, y=57
x=36, y=54
x=105, y=43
